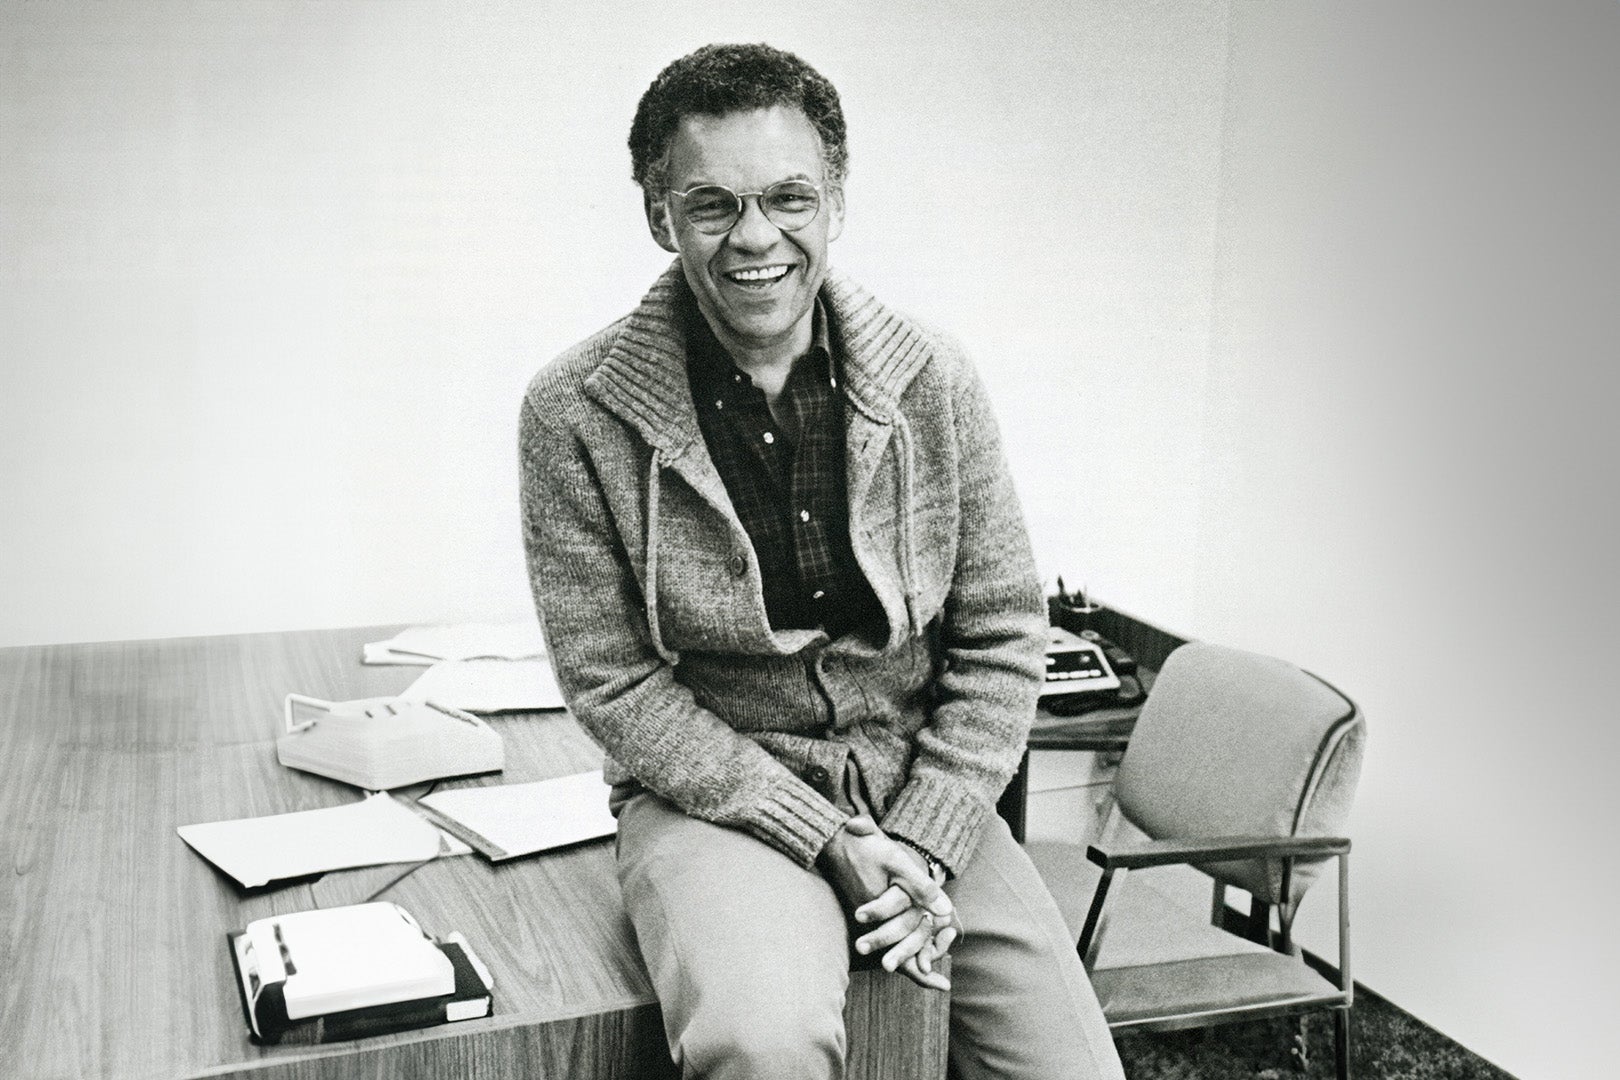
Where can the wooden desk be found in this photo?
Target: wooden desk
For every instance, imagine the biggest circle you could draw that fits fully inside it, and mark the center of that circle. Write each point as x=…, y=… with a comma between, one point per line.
x=113, y=961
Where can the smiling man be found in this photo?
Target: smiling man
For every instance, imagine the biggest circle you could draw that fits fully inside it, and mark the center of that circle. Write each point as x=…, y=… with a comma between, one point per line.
x=786, y=585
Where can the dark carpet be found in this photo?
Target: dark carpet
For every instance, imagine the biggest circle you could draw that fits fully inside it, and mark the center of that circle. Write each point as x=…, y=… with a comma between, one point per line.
x=1386, y=1043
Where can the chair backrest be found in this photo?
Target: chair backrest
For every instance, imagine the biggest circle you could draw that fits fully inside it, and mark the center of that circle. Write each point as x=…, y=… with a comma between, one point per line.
x=1232, y=743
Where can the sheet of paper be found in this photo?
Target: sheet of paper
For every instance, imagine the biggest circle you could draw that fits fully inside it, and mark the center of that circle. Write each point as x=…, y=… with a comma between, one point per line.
x=256, y=851
x=520, y=819
x=518, y=639
x=486, y=686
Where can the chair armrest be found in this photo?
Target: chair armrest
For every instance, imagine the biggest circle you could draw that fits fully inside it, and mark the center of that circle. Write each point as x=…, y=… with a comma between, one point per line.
x=1212, y=849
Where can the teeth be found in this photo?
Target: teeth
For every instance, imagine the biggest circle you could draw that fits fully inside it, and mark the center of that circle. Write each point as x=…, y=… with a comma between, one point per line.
x=763, y=273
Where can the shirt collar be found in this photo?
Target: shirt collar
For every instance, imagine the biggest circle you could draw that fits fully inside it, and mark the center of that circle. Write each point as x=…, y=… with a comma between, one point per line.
x=709, y=364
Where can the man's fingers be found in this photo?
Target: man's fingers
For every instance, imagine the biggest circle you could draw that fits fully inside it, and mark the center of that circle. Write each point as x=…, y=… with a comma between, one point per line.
x=930, y=979
x=919, y=967
x=861, y=825
x=891, y=902
x=892, y=931
x=912, y=876
x=932, y=899
x=940, y=907
x=908, y=946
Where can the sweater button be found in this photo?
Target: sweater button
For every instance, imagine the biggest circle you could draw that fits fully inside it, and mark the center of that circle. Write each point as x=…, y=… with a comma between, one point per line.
x=738, y=563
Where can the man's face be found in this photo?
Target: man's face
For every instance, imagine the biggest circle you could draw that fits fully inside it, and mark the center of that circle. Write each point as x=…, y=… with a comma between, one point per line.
x=756, y=284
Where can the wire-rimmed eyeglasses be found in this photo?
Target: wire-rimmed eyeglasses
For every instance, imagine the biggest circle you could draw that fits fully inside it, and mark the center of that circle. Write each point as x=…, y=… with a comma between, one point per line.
x=790, y=205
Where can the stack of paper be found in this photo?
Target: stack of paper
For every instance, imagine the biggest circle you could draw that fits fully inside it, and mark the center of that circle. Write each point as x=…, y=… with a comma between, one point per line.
x=519, y=639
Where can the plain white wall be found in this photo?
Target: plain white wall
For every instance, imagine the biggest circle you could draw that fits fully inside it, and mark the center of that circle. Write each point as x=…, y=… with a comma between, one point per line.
x=1409, y=481
x=275, y=274
x=1288, y=311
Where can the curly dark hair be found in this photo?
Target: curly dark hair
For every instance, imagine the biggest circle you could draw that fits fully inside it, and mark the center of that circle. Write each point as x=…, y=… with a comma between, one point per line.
x=720, y=79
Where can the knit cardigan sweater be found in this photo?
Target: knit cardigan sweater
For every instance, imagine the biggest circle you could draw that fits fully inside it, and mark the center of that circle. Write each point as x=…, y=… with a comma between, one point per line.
x=654, y=611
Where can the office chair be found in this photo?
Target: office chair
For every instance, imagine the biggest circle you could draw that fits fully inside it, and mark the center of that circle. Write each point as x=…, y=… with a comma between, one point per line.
x=1244, y=767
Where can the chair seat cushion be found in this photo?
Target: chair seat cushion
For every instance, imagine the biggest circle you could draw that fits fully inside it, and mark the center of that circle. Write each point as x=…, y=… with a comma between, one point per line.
x=1185, y=993
x=1142, y=925
x=1159, y=962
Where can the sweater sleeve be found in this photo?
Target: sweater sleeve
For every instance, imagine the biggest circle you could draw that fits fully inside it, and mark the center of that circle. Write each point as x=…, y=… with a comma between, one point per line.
x=617, y=685
x=992, y=637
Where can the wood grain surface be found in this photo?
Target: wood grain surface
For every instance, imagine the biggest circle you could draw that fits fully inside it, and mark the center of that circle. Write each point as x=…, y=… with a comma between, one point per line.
x=112, y=955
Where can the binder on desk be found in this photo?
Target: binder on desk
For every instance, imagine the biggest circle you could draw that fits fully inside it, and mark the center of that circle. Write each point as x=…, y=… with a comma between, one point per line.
x=348, y=972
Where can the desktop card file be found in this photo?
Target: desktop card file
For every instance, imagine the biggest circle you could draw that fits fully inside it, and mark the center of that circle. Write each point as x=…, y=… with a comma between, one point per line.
x=383, y=743
x=347, y=972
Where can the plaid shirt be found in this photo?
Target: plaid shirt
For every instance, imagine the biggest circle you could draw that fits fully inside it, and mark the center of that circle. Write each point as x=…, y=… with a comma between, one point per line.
x=786, y=480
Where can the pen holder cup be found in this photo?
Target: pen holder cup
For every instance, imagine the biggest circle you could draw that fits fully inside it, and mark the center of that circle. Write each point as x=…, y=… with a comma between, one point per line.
x=1070, y=616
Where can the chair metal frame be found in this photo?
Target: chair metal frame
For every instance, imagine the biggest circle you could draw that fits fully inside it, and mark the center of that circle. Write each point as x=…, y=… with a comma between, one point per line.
x=1115, y=860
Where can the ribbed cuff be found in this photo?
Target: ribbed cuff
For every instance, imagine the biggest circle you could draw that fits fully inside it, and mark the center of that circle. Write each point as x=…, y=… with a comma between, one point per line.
x=940, y=816
x=795, y=819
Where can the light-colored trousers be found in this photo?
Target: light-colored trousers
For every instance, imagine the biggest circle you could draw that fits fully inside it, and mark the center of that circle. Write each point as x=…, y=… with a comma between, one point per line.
x=749, y=954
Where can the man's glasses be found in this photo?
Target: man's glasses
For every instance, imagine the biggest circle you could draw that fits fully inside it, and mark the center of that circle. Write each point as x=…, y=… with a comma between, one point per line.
x=790, y=205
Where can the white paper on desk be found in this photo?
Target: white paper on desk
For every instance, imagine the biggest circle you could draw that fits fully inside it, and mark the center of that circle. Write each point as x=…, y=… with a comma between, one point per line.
x=521, y=819
x=516, y=640
x=259, y=850
x=487, y=686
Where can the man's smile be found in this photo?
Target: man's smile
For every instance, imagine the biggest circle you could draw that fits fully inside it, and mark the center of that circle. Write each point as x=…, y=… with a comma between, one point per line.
x=758, y=277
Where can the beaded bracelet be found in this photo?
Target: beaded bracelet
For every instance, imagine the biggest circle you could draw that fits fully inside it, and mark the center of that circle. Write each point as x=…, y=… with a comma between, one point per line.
x=936, y=869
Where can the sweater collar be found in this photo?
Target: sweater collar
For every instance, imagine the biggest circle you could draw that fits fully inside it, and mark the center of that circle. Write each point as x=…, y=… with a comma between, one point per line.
x=643, y=377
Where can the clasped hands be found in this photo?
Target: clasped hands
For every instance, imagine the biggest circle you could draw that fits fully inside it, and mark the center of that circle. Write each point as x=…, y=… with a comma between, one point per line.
x=914, y=919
